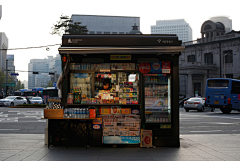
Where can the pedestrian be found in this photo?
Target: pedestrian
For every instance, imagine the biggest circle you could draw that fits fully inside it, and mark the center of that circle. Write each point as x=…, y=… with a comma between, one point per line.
x=1, y=96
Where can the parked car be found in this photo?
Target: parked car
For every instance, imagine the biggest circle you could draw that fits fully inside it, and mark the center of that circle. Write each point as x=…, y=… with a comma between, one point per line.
x=36, y=100
x=194, y=103
x=12, y=101
x=181, y=102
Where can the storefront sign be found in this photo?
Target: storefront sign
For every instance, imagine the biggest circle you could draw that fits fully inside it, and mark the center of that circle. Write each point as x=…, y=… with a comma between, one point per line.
x=164, y=41
x=145, y=67
x=156, y=67
x=120, y=57
x=166, y=67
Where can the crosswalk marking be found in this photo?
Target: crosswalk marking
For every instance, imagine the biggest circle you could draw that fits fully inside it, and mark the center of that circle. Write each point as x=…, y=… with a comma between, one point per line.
x=23, y=116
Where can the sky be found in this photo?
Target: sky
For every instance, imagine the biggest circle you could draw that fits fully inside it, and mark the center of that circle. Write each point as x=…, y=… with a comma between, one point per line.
x=28, y=23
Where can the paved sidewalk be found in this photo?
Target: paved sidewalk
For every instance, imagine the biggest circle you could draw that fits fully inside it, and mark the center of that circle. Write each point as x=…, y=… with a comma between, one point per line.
x=30, y=147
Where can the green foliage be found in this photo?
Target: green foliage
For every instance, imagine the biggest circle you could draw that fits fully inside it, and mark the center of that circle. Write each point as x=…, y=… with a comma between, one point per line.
x=66, y=26
x=237, y=77
x=19, y=84
x=50, y=84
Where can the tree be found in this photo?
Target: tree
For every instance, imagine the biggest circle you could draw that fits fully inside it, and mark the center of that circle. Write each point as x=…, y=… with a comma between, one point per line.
x=66, y=26
x=50, y=84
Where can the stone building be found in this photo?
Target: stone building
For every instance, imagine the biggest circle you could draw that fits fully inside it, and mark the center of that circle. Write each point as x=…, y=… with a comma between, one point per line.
x=215, y=55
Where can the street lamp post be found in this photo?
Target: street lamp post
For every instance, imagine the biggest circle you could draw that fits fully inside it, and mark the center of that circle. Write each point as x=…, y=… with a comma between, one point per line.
x=6, y=77
x=224, y=64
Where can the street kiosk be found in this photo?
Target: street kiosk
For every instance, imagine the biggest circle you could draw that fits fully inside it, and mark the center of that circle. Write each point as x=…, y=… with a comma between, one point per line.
x=118, y=89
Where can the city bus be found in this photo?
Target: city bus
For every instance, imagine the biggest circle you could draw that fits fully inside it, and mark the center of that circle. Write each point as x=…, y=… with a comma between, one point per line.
x=223, y=93
x=49, y=92
x=38, y=91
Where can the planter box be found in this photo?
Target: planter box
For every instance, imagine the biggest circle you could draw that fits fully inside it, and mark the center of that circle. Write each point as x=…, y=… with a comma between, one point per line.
x=53, y=113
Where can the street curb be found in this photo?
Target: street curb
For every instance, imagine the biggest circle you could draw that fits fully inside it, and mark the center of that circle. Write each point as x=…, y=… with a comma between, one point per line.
x=25, y=107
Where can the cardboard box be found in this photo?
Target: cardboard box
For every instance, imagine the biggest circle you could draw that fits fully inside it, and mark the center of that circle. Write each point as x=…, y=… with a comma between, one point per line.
x=97, y=121
x=126, y=110
x=53, y=113
x=105, y=110
x=146, y=138
x=92, y=113
x=115, y=110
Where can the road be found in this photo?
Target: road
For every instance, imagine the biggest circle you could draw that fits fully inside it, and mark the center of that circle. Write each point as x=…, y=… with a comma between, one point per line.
x=208, y=122
x=28, y=121
x=22, y=120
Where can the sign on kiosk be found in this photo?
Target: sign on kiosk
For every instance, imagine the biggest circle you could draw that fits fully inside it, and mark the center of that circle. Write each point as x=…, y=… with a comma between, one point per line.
x=146, y=138
x=166, y=67
x=145, y=67
x=162, y=67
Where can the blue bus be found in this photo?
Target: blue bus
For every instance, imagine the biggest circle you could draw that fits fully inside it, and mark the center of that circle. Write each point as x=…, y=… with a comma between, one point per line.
x=223, y=93
x=49, y=92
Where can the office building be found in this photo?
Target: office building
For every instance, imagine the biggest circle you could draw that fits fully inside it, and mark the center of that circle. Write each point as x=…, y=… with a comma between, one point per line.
x=179, y=27
x=3, y=53
x=10, y=63
x=36, y=65
x=25, y=84
x=43, y=66
x=227, y=22
x=41, y=80
x=98, y=24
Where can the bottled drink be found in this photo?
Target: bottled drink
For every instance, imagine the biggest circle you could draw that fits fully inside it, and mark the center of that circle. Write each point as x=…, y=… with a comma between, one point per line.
x=87, y=113
x=80, y=113
x=75, y=112
x=83, y=112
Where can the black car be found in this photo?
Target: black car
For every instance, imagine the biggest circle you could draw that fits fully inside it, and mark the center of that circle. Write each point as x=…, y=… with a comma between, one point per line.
x=181, y=102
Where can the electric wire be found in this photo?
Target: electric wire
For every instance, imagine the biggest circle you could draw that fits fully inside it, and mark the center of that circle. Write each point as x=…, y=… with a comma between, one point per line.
x=31, y=47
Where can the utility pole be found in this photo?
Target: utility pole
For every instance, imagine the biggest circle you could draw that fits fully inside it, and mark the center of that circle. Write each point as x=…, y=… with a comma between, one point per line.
x=6, y=77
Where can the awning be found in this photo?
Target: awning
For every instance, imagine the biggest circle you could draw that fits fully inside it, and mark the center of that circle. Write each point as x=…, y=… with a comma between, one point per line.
x=117, y=50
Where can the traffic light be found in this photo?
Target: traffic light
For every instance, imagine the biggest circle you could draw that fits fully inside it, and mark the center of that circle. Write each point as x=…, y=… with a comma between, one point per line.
x=7, y=87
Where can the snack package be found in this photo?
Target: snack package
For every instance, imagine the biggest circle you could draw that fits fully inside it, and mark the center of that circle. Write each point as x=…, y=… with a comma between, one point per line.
x=115, y=110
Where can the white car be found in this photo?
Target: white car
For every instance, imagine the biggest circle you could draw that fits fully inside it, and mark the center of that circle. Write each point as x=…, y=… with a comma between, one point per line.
x=36, y=100
x=13, y=101
x=194, y=103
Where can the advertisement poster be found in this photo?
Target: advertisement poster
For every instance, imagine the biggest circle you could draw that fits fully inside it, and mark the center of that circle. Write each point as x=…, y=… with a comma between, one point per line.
x=156, y=68
x=166, y=67
x=121, y=139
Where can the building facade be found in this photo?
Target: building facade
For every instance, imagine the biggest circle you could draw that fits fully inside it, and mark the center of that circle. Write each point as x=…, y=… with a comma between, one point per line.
x=0, y=12
x=41, y=80
x=43, y=66
x=25, y=84
x=36, y=65
x=215, y=55
x=3, y=53
x=179, y=27
x=98, y=24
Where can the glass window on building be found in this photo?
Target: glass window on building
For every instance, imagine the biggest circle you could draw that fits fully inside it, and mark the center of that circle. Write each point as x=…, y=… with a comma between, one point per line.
x=191, y=58
x=91, y=32
x=208, y=57
x=106, y=32
x=229, y=56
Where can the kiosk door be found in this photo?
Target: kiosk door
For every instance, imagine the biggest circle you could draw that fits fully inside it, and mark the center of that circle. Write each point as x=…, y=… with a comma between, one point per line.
x=157, y=99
